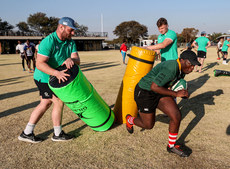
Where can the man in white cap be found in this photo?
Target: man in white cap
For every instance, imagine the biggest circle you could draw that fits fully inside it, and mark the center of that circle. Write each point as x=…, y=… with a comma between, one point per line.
x=55, y=50
x=202, y=44
x=225, y=50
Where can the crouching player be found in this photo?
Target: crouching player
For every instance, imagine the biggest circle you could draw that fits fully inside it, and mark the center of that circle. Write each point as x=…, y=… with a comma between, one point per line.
x=153, y=92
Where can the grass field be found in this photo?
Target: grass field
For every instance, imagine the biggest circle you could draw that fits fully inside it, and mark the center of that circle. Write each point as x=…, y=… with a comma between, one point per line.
x=205, y=127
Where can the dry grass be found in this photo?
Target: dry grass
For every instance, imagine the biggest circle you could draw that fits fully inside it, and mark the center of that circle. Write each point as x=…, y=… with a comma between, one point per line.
x=204, y=128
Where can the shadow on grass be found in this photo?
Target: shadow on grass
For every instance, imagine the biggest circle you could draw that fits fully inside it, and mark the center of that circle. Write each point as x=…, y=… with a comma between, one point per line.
x=197, y=106
x=7, y=64
x=209, y=66
x=75, y=132
x=97, y=65
x=228, y=130
x=17, y=93
x=10, y=81
x=18, y=109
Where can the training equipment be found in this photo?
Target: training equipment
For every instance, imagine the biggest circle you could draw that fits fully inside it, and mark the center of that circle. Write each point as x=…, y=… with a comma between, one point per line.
x=139, y=64
x=179, y=85
x=80, y=96
x=221, y=73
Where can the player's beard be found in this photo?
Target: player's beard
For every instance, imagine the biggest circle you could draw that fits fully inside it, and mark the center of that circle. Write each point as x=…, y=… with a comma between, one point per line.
x=66, y=36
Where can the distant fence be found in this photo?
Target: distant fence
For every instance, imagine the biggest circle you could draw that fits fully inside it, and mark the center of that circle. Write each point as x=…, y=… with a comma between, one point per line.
x=77, y=34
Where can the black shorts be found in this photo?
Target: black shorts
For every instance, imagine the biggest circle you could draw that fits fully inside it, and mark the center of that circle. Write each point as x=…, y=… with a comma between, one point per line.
x=22, y=55
x=147, y=101
x=201, y=54
x=30, y=57
x=44, y=90
x=225, y=53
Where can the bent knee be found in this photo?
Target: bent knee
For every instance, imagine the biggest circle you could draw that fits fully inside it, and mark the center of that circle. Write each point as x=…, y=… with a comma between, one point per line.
x=176, y=117
x=149, y=125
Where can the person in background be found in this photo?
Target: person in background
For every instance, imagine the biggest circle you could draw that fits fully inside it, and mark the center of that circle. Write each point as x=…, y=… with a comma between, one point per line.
x=167, y=42
x=20, y=49
x=219, y=47
x=36, y=49
x=29, y=50
x=123, y=50
x=187, y=47
x=203, y=43
x=55, y=50
x=225, y=50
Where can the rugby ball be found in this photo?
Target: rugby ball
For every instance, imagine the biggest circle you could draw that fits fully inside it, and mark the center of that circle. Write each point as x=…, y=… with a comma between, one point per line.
x=179, y=85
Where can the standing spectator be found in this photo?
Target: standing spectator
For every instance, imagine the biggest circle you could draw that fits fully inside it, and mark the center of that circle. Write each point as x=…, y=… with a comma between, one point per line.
x=20, y=49
x=219, y=47
x=225, y=50
x=202, y=44
x=187, y=47
x=123, y=50
x=29, y=53
x=167, y=42
x=145, y=44
x=55, y=50
x=36, y=49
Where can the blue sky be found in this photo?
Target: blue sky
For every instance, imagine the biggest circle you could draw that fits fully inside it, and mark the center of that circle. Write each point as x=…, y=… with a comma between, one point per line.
x=204, y=15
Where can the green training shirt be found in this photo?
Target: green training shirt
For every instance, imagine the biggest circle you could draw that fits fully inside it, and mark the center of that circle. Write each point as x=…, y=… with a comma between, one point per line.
x=225, y=46
x=202, y=43
x=164, y=74
x=57, y=51
x=170, y=52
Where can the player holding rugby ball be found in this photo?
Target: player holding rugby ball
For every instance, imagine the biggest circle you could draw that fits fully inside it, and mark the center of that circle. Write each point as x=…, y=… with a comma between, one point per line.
x=153, y=92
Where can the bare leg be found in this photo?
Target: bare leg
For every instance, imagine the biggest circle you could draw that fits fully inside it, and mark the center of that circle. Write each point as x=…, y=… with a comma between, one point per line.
x=145, y=120
x=34, y=63
x=57, y=111
x=169, y=107
x=201, y=60
x=40, y=110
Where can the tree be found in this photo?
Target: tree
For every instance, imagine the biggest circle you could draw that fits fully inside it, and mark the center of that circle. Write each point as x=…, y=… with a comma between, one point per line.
x=81, y=31
x=38, y=21
x=189, y=34
x=51, y=26
x=23, y=27
x=5, y=26
x=131, y=30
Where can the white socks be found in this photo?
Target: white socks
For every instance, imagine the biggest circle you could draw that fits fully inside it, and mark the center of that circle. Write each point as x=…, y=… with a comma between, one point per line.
x=29, y=128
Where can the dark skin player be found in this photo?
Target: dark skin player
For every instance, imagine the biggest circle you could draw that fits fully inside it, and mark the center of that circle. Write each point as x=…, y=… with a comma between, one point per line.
x=166, y=104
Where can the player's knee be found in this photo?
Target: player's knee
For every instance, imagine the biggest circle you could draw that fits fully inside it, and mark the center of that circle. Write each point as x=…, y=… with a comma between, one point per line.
x=48, y=104
x=176, y=118
x=149, y=125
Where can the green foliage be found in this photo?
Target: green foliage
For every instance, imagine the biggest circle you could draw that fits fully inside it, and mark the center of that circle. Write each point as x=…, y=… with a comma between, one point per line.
x=131, y=30
x=4, y=25
x=40, y=23
x=187, y=35
x=81, y=31
x=23, y=27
